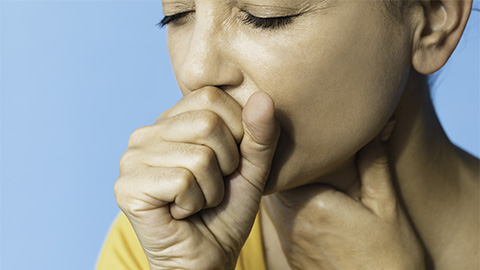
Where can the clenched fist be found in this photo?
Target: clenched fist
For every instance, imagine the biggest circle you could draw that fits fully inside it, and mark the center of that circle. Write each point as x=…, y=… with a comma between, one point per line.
x=191, y=183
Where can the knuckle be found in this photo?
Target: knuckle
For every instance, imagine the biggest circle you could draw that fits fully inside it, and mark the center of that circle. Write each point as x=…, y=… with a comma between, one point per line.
x=207, y=123
x=128, y=160
x=208, y=96
x=183, y=180
x=131, y=199
x=325, y=202
x=138, y=136
x=324, y=206
x=166, y=114
x=202, y=157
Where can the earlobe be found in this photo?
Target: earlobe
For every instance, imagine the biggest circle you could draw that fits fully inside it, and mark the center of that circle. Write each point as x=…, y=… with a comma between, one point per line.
x=437, y=32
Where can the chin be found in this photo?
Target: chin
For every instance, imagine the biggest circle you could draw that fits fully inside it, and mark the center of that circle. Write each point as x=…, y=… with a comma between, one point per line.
x=290, y=170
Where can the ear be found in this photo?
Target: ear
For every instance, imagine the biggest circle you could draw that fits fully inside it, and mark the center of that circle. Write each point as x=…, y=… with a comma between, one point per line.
x=437, y=33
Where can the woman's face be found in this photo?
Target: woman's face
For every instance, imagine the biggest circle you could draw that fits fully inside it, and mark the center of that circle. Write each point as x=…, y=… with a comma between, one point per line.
x=334, y=68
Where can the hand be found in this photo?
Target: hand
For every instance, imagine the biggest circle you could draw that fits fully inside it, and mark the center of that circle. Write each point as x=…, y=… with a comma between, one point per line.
x=191, y=183
x=331, y=230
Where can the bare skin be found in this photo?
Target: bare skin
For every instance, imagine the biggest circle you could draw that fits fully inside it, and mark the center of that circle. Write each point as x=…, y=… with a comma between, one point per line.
x=326, y=84
x=439, y=192
x=165, y=179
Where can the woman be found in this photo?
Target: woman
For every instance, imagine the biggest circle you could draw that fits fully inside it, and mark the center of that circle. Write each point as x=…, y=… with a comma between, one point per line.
x=323, y=108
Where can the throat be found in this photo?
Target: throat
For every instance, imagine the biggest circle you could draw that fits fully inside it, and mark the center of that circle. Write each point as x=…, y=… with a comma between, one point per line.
x=436, y=183
x=432, y=177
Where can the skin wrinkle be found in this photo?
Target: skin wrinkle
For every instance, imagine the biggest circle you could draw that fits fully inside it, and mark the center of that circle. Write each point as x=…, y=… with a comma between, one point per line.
x=392, y=7
x=337, y=75
x=171, y=8
x=277, y=9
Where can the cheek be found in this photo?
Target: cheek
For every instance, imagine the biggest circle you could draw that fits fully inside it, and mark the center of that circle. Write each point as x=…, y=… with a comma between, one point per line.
x=178, y=43
x=334, y=92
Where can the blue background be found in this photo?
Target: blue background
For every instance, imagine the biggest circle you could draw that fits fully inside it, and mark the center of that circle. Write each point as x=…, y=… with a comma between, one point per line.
x=76, y=78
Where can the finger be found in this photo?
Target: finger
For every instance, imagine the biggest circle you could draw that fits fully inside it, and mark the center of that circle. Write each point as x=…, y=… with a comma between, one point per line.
x=377, y=189
x=325, y=198
x=243, y=189
x=215, y=100
x=315, y=201
x=198, y=159
x=152, y=189
x=261, y=132
x=195, y=127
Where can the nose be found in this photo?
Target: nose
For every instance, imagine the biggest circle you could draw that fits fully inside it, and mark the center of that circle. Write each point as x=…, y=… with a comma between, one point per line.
x=207, y=58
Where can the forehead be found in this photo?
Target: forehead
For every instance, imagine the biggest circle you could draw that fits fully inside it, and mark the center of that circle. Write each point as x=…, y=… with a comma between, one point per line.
x=260, y=3
x=264, y=7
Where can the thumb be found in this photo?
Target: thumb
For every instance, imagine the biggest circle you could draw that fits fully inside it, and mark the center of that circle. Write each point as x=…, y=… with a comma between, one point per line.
x=377, y=189
x=261, y=132
x=244, y=187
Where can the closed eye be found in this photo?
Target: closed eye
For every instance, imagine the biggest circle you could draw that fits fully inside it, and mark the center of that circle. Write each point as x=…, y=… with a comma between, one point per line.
x=172, y=18
x=257, y=22
x=268, y=23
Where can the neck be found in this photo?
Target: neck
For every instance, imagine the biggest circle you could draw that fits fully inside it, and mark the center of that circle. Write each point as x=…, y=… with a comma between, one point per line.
x=436, y=182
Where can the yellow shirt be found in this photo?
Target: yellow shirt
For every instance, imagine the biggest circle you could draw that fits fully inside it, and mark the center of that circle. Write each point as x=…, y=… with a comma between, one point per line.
x=122, y=251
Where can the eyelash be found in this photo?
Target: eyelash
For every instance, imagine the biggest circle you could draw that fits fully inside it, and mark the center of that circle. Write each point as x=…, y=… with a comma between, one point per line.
x=268, y=23
x=256, y=22
x=171, y=19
